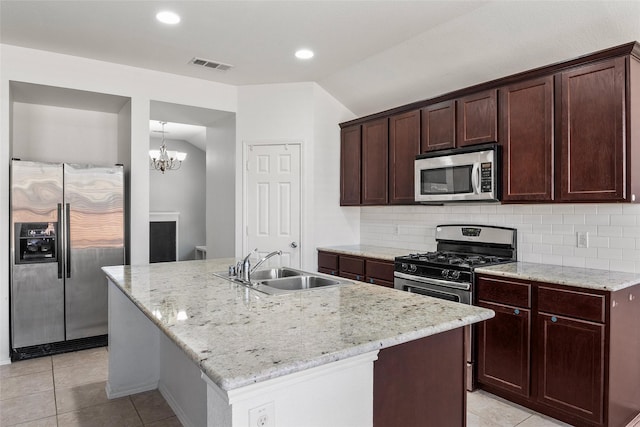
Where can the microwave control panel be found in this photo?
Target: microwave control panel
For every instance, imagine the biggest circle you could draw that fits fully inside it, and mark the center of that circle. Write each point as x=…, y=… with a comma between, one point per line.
x=486, y=177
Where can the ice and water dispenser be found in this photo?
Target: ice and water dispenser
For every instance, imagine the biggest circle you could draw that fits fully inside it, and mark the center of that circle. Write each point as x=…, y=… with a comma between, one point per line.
x=36, y=242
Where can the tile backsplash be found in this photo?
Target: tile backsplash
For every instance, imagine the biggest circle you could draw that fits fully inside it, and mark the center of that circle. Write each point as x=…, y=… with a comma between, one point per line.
x=546, y=233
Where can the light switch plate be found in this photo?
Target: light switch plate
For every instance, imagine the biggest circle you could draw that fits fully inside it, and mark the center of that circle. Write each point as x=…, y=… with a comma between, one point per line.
x=582, y=239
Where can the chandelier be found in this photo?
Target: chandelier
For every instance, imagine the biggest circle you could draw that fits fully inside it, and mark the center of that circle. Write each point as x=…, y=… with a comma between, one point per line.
x=163, y=159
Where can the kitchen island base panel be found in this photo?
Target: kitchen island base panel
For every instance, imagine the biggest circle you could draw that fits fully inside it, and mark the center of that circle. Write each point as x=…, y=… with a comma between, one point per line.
x=142, y=358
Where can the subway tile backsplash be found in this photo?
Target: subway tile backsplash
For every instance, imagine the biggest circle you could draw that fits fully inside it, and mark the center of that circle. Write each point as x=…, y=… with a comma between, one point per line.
x=546, y=233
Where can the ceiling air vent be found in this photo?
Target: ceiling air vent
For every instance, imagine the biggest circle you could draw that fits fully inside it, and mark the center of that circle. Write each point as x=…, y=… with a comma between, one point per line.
x=210, y=64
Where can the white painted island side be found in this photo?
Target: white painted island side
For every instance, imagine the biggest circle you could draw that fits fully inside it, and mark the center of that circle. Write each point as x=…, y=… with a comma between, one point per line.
x=225, y=355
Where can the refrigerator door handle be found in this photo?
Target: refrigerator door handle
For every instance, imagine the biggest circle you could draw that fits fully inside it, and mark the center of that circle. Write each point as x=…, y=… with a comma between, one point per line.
x=67, y=239
x=59, y=241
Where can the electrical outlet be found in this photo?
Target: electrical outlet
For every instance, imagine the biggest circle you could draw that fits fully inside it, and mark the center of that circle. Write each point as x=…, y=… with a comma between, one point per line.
x=582, y=239
x=262, y=416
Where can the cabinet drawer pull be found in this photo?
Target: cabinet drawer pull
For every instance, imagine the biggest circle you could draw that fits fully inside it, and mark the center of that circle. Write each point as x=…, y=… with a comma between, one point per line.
x=516, y=311
x=357, y=277
x=370, y=280
x=554, y=319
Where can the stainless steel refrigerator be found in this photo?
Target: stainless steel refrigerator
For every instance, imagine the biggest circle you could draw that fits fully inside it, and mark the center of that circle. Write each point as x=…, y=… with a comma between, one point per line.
x=67, y=221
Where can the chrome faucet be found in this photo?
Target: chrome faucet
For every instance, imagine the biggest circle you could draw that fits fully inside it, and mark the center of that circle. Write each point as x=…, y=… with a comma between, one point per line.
x=266, y=257
x=244, y=270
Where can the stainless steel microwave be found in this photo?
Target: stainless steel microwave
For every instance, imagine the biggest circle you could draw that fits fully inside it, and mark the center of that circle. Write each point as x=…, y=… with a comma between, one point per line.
x=458, y=175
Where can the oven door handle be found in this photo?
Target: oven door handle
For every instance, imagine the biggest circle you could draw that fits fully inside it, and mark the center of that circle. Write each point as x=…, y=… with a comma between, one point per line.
x=445, y=283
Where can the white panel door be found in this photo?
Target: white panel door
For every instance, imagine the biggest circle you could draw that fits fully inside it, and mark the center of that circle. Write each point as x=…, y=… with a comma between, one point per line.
x=273, y=202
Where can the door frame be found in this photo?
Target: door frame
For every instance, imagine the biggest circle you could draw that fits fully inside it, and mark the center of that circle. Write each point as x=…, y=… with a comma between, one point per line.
x=245, y=215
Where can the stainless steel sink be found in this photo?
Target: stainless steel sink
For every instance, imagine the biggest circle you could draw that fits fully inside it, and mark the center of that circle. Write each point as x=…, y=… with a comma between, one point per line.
x=275, y=273
x=299, y=283
x=284, y=280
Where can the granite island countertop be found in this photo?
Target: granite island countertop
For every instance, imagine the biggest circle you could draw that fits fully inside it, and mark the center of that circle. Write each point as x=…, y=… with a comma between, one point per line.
x=368, y=251
x=239, y=336
x=603, y=280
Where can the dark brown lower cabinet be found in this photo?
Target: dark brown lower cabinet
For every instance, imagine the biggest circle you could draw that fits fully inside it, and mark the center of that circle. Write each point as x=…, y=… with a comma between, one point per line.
x=370, y=270
x=421, y=383
x=503, y=355
x=570, y=369
x=573, y=355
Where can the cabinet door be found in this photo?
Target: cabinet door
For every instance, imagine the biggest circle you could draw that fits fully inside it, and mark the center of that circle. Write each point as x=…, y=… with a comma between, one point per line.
x=350, y=161
x=439, y=126
x=375, y=162
x=379, y=272
x=526, y=137
x=477, y=119
x=404, y=146
x=327, y=263
x=503, y=348
x=592, y=162
x=351, y=267
x=571, y=365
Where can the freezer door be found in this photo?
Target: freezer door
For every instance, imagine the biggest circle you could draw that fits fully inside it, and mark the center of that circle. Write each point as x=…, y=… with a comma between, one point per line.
x=37, y=289
x=94, y=203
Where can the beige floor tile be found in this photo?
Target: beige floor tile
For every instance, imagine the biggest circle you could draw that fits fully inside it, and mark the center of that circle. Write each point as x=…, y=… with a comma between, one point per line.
x=498, y=411
x=72, y=376
x=151, y=406
x=542, y=421
x=474, y=420
x=81, y=396
x=115, y=413
x=31, y=366
x=25, y=384
x=27, y=408
x=42, y=422
x=167, y=422
x=84, y=357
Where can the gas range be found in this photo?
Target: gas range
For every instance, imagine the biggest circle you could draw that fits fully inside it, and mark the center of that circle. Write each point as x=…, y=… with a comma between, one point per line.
x=460, y=249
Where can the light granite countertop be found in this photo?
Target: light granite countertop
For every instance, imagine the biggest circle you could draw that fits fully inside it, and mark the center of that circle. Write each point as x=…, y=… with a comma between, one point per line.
x=368, y=251
x=239, y=336
x=590, y=278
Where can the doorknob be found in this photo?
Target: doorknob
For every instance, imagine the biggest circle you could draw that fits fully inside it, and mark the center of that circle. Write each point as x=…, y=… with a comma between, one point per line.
x=293, y=245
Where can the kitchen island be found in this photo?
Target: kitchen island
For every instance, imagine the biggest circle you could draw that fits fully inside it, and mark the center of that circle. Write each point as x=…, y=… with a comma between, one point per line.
x=226, y=355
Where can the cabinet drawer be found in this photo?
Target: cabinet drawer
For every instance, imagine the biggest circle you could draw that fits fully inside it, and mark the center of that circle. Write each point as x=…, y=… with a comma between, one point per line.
x=380, y=270
x=504, y=292
x=580, y=305
x=351, y=265
x=328, y=271
x=328, y=260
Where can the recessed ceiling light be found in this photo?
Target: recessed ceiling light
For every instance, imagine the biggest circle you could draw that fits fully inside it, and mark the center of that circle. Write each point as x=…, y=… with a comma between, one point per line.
x=304, y=54
x=168, y=17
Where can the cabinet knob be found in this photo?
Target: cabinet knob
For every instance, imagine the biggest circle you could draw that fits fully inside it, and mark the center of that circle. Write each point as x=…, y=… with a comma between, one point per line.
x=554, y=319
x=370, y=280
x=516, y=311
x=357, y=277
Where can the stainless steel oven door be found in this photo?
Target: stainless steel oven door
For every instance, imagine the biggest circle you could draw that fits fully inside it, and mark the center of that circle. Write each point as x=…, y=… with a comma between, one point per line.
x=451, y=291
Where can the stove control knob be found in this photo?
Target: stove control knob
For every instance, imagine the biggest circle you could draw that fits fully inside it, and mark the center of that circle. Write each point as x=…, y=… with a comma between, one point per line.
x=445, y=273
x=455, y=275
x=413, y=268
x=404, y=266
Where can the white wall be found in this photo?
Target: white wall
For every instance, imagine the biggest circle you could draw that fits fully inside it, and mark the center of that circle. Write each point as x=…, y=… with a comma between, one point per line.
x=26, y=65
x=301, y=112
x=546, y=233
x=183, y=191
x=42, y=133
x=221, y=189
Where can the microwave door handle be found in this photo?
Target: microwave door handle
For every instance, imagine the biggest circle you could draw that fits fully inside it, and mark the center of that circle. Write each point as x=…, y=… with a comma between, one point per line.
x=475, y=178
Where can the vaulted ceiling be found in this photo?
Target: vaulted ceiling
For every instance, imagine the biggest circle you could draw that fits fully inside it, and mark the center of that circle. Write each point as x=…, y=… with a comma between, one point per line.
x=370, y=55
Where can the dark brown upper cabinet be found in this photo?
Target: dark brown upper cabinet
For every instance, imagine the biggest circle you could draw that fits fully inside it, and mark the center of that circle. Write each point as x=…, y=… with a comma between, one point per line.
x=375, y=162
x=526, y=137
x=404, y=146
x=592, y=133
x=439, y=126
x=477, y=118
x=350, y=165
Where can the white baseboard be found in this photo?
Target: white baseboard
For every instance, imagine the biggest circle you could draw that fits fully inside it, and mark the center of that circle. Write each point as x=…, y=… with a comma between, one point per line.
x=182, y=416
x=114, y=394
x=5, y=362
